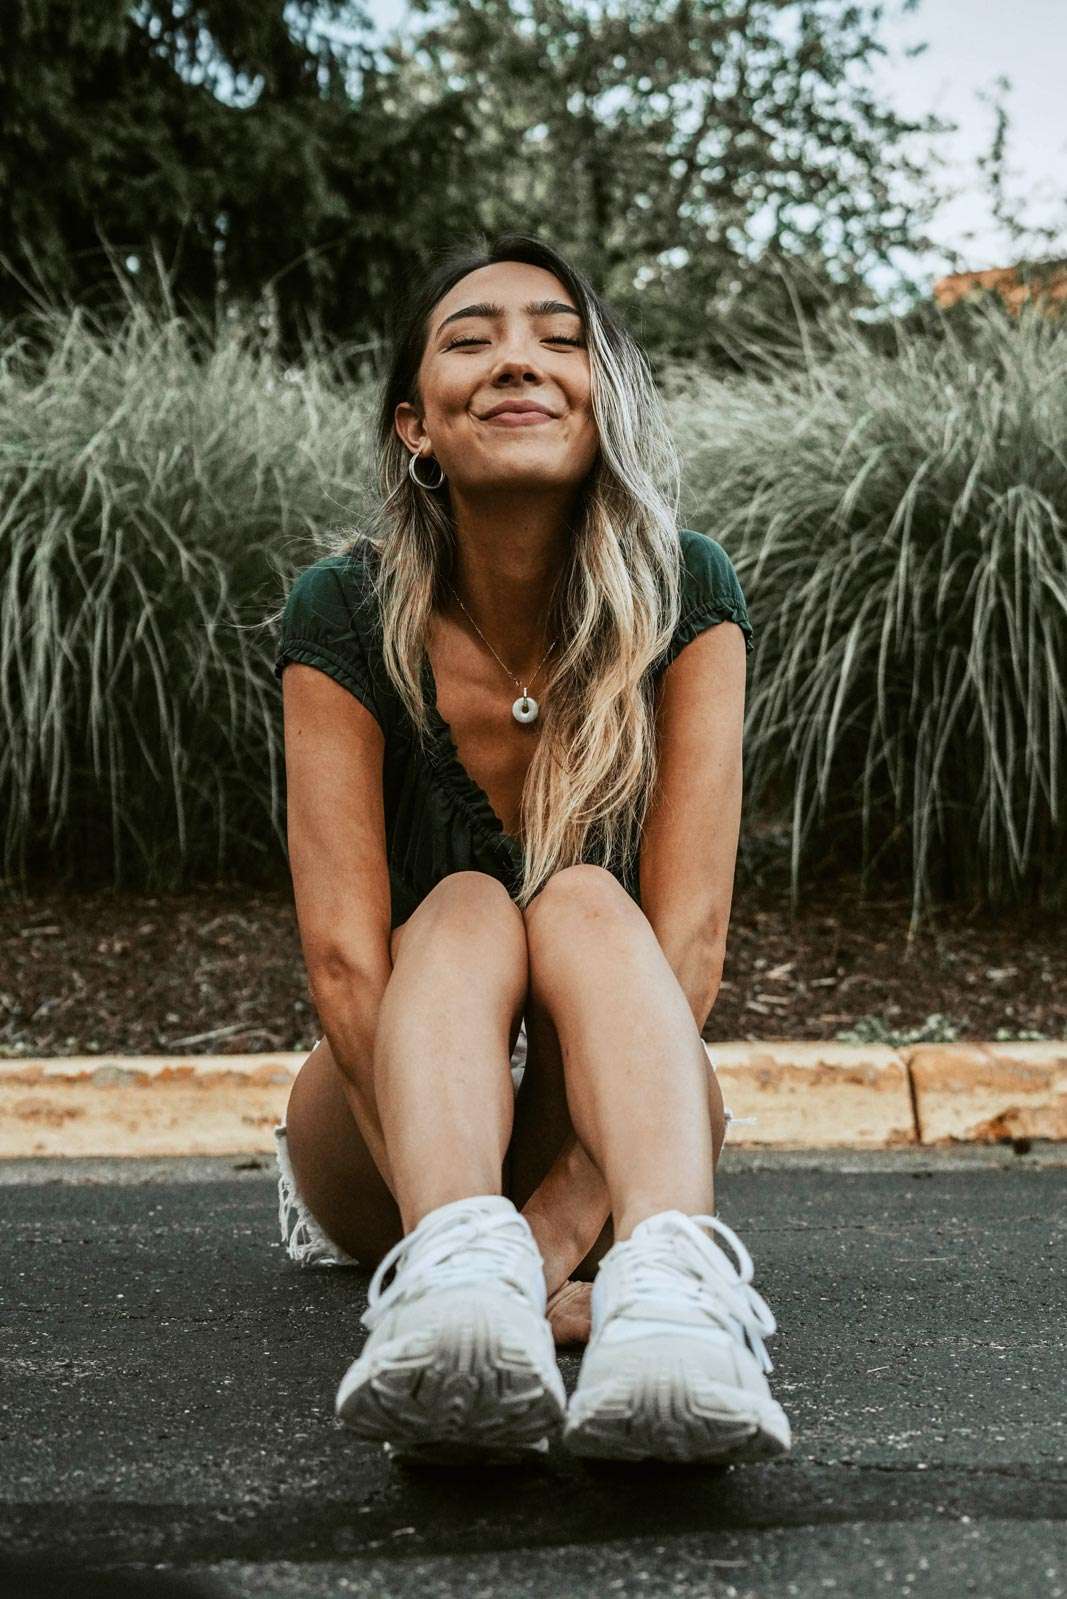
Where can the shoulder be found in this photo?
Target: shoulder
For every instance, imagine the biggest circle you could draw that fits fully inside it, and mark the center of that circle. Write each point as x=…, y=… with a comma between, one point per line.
x=329, y=621
x=333, y=602
x=711, y=593
x=331, y=589
x=709, y=572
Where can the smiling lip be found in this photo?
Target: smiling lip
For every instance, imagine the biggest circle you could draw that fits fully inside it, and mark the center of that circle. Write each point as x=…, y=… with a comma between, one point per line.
x=535, y=407
x=518, y=419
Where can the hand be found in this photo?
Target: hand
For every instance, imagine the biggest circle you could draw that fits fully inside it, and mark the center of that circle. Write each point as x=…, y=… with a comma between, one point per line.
x=568, y=1312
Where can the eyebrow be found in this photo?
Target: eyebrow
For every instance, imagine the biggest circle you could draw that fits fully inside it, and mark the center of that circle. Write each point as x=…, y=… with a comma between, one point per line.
x=534, y=308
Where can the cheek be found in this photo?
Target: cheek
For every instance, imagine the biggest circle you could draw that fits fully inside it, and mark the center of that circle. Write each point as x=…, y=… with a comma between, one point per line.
x=588, y=431
x=445, y=395
x=585, y=410
x=450, y=401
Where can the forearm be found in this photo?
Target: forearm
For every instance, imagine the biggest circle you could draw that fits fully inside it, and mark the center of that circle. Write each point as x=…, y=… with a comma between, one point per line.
x=348, y=1011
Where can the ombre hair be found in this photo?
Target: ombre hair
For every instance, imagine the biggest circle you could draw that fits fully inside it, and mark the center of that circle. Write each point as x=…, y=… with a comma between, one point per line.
x=616, y=602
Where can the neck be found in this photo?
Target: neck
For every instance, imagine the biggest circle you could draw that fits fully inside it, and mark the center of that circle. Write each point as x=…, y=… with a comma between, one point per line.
x=510, y=549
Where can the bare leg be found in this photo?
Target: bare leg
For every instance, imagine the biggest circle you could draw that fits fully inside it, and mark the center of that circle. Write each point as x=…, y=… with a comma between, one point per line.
x=543, y=1127
x=635, y=1068
x=334, y=1169
x=473, y=1368
x=441, y=1079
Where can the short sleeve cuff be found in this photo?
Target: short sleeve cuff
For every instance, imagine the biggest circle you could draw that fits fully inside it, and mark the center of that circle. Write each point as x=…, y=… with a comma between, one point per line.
x=708, y=614
x=309, y=652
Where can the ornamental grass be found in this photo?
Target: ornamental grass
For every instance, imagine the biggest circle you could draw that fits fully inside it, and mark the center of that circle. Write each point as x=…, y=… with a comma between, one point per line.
x=894, y=509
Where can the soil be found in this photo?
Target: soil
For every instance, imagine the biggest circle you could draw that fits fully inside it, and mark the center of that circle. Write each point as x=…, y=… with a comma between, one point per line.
x=218, y=970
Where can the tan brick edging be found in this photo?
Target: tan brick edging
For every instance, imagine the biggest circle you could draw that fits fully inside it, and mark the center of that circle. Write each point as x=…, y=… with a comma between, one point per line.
x=985, y=1092
x=799, y=1095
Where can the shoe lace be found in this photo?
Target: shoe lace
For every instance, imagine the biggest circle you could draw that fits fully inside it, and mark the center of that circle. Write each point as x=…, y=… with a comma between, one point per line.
x=710, y=1281
x=303, y=1238
x=461, y=1247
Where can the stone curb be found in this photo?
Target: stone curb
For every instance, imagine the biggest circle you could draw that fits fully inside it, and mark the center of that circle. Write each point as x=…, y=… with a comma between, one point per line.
x=981, y=1093
x=785, y=1095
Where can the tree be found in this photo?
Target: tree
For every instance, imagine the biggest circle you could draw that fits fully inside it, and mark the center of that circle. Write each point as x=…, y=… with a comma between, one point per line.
x=221, y=133
x=692, y=152
x=709, y=162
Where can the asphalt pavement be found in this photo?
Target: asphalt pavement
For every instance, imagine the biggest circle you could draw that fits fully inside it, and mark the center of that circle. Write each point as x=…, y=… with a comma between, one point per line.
x=168, y=1380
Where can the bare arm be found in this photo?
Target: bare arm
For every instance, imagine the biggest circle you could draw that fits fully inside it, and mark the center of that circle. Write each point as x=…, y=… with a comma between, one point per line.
x=689, y=843
x=348, y=1009
x=334, y=750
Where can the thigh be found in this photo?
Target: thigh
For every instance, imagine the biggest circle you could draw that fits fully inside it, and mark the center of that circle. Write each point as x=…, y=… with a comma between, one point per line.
x=335, y=1171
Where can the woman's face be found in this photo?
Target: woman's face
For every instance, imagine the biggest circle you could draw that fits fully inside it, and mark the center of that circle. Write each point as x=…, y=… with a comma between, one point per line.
x=493, y=340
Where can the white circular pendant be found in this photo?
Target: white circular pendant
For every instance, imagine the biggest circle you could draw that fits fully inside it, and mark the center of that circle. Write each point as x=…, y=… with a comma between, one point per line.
x=525, y=709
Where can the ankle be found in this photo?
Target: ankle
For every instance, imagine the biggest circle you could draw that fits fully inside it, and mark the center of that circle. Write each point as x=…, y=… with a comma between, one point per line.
x=415, y=1210
x=637, y=1211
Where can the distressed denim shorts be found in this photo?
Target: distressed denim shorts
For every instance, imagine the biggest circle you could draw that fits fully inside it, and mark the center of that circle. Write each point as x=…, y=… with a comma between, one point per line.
x=302, y=1238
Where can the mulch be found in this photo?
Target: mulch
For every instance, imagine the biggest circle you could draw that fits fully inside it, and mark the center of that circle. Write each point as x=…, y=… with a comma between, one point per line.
x=219, y=970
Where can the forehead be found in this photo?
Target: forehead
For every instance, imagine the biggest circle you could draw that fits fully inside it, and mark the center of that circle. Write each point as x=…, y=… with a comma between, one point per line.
x=508, y=283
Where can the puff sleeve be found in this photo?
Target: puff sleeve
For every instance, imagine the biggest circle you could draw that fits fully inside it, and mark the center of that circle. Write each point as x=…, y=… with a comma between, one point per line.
x=322, y=627
x=711, y=593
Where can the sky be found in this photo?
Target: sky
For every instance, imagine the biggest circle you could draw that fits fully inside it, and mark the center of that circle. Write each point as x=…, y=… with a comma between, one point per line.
x=970, y=44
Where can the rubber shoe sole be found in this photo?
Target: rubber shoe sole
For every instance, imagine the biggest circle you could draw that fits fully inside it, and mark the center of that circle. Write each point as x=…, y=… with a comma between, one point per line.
x=667, y=1409
x=468, y=1384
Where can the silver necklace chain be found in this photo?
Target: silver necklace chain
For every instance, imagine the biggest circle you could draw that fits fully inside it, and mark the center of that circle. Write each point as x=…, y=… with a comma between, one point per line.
x=485, y=641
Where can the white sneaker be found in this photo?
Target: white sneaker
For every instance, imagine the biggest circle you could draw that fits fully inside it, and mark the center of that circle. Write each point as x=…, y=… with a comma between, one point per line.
x=675, y=1365
x=460, y=1363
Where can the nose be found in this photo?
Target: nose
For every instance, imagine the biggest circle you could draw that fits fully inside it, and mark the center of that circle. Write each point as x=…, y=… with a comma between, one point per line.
x=517, y=361
x=515, y=372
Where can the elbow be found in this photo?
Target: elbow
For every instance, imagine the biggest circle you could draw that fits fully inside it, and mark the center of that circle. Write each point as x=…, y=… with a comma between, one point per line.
x=337, y=974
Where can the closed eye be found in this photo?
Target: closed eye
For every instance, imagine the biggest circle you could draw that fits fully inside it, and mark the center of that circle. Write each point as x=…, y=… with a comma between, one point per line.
x=556, y=338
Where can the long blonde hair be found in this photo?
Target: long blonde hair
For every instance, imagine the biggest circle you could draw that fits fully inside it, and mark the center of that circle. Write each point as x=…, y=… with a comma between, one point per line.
x=616, y=602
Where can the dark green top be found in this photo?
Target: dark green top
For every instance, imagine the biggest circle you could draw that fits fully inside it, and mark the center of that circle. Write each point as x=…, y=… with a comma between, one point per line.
x=438, y=819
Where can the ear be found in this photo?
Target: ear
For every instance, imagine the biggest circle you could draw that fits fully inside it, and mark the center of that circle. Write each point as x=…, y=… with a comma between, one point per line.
x=409, y=425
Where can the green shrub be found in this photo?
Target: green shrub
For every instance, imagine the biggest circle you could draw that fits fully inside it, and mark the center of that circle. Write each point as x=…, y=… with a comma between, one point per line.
x=896, y=517
x=897, y=521
x=154, y=483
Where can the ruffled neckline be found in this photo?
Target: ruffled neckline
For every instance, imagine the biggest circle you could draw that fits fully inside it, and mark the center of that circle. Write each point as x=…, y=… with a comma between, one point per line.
x=452, y=770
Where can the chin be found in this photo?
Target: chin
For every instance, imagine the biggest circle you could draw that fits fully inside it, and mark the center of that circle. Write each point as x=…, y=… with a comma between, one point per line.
x=528, y=475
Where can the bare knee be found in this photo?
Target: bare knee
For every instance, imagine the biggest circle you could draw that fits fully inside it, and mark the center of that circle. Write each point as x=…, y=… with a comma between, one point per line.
x=470, y=906
x=581, y=908
x=467, y=923
x=585, y=893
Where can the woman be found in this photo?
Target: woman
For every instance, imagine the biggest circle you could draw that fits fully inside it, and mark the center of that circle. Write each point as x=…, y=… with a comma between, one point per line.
x=507, y=817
